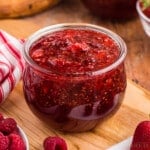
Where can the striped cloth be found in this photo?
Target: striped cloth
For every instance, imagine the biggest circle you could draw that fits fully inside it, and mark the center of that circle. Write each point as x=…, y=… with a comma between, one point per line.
x=11, y=63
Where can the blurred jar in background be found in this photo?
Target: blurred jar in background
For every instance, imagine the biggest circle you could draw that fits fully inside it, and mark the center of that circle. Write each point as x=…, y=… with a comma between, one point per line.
x=112, y=9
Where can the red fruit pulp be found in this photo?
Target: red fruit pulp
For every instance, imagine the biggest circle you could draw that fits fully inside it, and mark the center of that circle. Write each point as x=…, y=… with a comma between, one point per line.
x=114, y=9
x=73, y=95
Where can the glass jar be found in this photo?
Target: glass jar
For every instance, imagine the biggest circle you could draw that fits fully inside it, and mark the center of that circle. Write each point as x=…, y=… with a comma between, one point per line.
x=112, y=9
x=63, y=83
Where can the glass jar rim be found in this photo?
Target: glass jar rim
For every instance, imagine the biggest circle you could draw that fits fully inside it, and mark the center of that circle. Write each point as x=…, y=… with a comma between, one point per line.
x=58, y=27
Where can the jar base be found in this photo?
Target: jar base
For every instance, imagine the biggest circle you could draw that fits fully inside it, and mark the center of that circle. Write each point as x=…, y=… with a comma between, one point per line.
x=76, y=125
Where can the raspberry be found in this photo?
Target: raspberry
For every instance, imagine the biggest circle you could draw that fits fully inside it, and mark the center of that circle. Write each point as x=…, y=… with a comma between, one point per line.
x=1, y=117
x=10, y=138
x=54, y=143
x=16, y=131
x=4, y=142
x=16, y=142
x=8, y=125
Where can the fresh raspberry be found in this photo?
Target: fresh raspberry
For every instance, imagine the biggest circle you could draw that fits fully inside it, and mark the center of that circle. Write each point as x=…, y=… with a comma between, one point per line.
x=4, y=142
x=16, y=142
x=54, y=143
x=141, y=137
x=8, y=125
x=16, y=131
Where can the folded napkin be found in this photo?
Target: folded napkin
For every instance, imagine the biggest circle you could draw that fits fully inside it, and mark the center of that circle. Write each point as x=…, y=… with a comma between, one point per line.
x=11, y=63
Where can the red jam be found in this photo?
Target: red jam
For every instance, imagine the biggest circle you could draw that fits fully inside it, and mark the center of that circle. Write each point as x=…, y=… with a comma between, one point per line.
x=114, y=9
x=74, y=52
x=70, y=92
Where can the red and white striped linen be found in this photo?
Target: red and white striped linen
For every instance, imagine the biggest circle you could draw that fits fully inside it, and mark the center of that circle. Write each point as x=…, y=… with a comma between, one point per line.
x=11, y=63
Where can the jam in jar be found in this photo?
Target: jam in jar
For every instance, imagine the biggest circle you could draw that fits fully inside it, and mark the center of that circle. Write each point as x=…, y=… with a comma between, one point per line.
x=74, y=75
x=112, y=9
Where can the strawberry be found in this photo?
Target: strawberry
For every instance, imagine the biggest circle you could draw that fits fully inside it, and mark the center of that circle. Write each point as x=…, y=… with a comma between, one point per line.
x=141, y=138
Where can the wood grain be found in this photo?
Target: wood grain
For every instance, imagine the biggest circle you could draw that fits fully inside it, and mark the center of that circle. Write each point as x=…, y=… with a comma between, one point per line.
x=121, y=125
x=18, y=28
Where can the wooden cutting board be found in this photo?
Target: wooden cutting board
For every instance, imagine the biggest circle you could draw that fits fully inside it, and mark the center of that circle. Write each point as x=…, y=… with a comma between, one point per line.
x=135, y=108
x=19, y=28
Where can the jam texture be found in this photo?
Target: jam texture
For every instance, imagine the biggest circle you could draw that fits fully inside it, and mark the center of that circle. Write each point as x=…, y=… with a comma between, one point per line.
x=69, y=91
x=74, y=52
